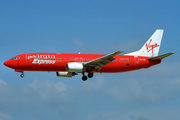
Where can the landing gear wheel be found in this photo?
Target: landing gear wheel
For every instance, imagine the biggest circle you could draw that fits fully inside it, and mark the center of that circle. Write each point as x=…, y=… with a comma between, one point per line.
x=84, y=78
x=90, y=75
x=22, y=75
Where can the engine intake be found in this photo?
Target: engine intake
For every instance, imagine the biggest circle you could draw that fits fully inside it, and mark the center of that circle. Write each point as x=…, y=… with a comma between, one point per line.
x=74, y=67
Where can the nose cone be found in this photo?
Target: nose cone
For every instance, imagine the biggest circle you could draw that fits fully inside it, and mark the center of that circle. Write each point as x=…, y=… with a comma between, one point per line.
x=6, y=63
x=11, y=63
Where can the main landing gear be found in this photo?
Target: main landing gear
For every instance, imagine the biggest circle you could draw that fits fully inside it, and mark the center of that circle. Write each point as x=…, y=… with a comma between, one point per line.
x=84, y=77
x=90, y=75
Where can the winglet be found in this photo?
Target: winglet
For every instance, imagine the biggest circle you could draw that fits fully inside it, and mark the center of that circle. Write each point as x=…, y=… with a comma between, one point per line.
x=161, y=56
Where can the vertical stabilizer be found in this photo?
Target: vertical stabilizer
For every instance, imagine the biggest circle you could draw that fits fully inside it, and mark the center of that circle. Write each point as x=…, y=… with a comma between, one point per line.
x=151, y=47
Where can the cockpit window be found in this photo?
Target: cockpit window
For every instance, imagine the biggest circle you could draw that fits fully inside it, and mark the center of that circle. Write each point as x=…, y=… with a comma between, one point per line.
x=15, y=58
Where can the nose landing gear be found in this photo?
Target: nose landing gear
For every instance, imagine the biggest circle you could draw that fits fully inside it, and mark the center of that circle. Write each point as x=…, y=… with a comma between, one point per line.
x=22, y=75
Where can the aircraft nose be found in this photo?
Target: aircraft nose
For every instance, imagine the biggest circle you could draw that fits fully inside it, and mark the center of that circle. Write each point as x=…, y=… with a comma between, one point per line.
x=10, y=63
x=7, y=63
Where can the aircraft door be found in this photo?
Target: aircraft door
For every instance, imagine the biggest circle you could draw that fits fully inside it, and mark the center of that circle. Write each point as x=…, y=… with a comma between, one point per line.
x=136, y=61
x=29, y=58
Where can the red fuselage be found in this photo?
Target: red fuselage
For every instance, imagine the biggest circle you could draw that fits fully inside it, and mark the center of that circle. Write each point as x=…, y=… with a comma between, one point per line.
x=58, y=61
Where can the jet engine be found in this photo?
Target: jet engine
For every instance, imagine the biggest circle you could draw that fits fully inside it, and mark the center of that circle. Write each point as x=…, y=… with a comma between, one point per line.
x=65, y=74
x=74, y=67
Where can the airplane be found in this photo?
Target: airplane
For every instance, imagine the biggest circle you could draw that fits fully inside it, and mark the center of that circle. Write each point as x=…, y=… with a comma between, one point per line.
x=68, y=65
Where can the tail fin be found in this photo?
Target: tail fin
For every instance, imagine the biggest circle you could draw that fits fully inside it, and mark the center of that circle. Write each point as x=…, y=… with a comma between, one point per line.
x=151, y=47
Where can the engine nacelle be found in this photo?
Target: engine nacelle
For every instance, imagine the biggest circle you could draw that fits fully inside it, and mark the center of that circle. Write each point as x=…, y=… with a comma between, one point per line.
x=74, y=67
x=65, y=74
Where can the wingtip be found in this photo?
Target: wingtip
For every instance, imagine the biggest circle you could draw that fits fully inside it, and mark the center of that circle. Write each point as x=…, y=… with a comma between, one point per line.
x=172, y=53
x=120, y=51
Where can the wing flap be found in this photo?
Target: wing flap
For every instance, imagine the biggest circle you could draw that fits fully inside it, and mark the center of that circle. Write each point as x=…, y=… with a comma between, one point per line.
x=161, y=56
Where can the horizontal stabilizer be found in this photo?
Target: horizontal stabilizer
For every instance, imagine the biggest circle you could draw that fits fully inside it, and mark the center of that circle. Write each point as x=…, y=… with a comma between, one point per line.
x=161, y=56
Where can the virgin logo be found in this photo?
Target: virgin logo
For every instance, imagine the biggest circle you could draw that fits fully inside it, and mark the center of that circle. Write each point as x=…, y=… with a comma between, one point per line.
x=150, y=47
